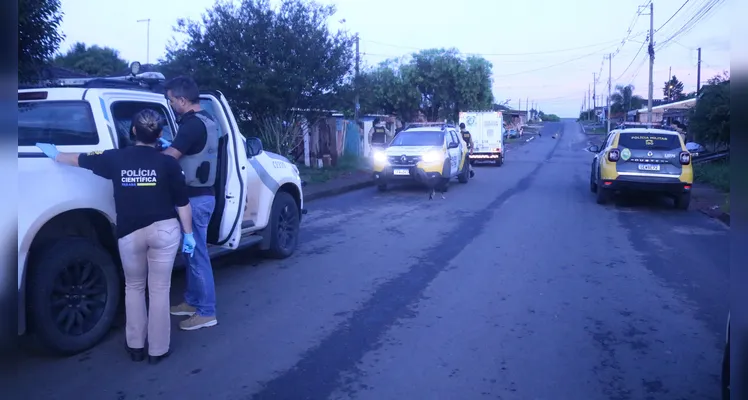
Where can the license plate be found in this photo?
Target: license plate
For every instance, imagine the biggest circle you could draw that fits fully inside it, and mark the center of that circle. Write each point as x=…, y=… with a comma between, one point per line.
x=649, y=167
x=401, y=172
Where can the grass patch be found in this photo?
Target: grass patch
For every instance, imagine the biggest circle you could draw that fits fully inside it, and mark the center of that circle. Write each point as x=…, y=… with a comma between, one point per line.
x=598, y=131
x=716, y=174
x=346, y=166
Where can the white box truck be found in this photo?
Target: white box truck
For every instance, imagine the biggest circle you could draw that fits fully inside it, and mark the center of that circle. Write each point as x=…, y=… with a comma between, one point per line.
x=485, y=127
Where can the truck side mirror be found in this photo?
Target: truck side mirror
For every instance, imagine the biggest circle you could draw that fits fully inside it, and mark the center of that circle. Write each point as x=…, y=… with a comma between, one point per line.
x=254, y=147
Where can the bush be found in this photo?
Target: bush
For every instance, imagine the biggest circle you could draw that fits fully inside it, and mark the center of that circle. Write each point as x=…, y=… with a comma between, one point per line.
x=716, y=174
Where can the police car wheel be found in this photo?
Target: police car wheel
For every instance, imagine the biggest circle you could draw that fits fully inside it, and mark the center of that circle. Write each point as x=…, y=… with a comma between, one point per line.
x=593, y=184
x=682, y=201
x=74, y=291
x=284, y=226
x=603, y=195
x=464, y=176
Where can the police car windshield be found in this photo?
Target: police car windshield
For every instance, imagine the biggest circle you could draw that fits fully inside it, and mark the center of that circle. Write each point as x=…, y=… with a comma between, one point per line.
x=648, y=141
x=418, y=138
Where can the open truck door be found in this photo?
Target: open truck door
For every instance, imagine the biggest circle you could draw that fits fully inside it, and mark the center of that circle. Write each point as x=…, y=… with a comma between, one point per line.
x=225, y=228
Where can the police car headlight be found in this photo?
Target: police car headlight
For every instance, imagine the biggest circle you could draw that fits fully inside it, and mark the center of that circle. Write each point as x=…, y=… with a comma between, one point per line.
x=431, y=156
x=380, y=156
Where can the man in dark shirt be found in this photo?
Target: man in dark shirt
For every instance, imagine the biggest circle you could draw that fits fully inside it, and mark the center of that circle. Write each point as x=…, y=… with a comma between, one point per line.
x=468, y=138
x=196, y=148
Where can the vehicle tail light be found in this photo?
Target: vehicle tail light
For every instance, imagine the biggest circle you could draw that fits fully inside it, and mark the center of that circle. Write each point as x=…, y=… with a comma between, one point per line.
x=614, y=155
x=685, y=157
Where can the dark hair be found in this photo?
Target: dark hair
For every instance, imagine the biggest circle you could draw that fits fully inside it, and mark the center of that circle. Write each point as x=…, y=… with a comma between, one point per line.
x=148, y=124
x=184, y=87
x=462, y=125
x=376, y=120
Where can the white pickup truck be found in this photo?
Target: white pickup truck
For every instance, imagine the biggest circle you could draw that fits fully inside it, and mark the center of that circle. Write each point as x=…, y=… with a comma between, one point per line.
x=70, y=281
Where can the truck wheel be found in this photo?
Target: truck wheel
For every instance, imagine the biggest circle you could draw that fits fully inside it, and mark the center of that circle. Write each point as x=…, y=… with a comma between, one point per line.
x=284, y=226
x=499, y=161
x=682, y=201
x=73, y=292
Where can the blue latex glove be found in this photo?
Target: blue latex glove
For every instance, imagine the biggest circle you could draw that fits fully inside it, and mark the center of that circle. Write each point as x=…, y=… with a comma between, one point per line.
x=49, y=150
x=188, y=244
x=164, y=143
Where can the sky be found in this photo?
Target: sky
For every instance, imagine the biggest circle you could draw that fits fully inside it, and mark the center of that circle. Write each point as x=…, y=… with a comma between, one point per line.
x=544, y=51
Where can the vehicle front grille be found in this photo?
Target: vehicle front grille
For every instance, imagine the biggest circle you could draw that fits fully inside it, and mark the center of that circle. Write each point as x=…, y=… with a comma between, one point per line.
x=404, y=160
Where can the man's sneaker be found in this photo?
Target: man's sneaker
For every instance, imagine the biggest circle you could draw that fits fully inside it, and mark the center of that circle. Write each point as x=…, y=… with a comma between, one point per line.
x=183, y=309
x=196, y=322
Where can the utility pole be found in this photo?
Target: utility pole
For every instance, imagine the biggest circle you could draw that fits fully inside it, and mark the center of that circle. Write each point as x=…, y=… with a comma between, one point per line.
x=669, y=84
x=610, y=73
x=594, y=90
x=698, y=74
x=356, y=86
x=651, y=63
x=589, y=101
x=148, y=39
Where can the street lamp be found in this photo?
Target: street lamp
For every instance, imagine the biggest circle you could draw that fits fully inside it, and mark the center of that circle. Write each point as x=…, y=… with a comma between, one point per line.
x=148, y=39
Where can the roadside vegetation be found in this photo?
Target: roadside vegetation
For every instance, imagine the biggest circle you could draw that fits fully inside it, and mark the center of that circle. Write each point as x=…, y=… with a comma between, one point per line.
x=346, y=165
x=716, y=174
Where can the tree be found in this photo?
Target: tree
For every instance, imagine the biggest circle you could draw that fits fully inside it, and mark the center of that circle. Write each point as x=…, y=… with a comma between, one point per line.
x=437, y=82
x=38, y=38
x=94, y=60
x=624, y=100
x=266, y=60
x=710, y=118
x=548, y=117
x=717, y=79
x=673, y=90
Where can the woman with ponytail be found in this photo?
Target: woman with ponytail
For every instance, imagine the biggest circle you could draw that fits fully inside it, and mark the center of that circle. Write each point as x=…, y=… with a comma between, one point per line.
x=150, y=197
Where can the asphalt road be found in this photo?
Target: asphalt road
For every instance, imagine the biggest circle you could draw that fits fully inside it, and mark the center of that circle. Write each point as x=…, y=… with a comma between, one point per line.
x=516, y=286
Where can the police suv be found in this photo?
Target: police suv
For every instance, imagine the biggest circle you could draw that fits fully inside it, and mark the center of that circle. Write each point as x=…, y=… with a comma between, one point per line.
x=69, y=277
x=428, y=153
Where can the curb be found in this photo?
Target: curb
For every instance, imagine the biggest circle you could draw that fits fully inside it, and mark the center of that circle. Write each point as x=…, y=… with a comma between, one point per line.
x=321, y=194
x=722, y=217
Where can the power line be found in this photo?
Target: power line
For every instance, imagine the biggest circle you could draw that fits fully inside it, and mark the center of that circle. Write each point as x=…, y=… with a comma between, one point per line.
x=672, y=16
x=623, y=41
x=505, y=54
x=702, y=13
x=550, y=66
x=632, y=61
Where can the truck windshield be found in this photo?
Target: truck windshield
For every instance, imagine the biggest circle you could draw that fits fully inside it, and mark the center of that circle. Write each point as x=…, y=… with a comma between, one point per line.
x=418, y=138
x=648, y=141
x=62, y=123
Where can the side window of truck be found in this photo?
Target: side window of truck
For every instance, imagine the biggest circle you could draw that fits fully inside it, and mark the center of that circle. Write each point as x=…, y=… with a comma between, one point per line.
x=123, y=111
x=62, y=123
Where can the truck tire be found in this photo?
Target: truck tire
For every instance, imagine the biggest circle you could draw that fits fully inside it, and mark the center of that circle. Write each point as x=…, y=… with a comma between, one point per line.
x=283, y=227
x=499, y=161
x=73, y=290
